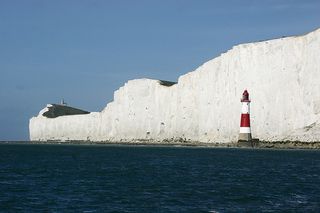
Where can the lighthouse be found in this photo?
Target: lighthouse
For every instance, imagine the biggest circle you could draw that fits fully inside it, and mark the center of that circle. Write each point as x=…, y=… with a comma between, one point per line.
x=245, y=130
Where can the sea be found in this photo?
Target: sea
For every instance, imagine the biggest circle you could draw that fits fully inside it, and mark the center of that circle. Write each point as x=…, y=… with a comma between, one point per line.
x=122, y=178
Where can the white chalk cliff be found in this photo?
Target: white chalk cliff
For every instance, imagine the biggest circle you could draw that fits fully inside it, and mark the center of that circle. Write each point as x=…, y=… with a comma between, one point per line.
x=281, y=75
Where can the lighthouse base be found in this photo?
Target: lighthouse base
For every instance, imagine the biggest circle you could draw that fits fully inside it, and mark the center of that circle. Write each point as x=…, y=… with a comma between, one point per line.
x=245, y=137
x=245, y=144
x=253, y=142
x=245, y=140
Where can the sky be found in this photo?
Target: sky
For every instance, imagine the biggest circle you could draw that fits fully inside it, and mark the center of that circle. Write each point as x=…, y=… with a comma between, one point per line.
x=84, y=50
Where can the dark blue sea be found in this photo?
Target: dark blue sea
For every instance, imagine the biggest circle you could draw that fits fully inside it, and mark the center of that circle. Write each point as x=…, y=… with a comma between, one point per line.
x=110, y=178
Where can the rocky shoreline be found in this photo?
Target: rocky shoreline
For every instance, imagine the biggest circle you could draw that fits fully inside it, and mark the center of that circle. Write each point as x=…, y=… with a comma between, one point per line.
x=253, y=144
x=289, y=145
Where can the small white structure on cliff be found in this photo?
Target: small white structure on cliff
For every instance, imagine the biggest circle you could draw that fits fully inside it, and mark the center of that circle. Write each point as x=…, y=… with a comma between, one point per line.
x=283, y=76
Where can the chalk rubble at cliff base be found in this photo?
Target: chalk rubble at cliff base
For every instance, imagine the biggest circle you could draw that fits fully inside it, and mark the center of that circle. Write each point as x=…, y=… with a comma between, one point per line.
x=282, y=76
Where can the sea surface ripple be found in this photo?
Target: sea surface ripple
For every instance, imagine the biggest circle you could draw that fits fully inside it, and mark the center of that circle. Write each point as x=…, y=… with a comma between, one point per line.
x=111, y=178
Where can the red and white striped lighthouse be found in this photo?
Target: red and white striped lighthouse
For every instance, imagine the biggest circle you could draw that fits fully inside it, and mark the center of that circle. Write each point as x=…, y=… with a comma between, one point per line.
x=245, y=130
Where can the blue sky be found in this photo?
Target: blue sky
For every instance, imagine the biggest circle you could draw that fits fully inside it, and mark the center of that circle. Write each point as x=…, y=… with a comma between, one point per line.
x=83, y=51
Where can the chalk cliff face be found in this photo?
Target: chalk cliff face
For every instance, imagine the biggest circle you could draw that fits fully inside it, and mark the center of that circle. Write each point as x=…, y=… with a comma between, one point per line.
x=281, y=75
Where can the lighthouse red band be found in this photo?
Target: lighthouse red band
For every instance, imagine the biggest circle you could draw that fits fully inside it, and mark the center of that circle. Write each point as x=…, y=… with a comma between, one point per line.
x=245, y=130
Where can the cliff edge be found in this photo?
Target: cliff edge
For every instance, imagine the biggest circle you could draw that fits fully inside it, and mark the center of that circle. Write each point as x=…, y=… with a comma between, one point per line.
x=282, y=76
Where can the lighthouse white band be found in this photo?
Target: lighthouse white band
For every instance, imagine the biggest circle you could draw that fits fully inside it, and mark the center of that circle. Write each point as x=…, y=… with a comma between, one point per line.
x=245, y=108
x=245, y=130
